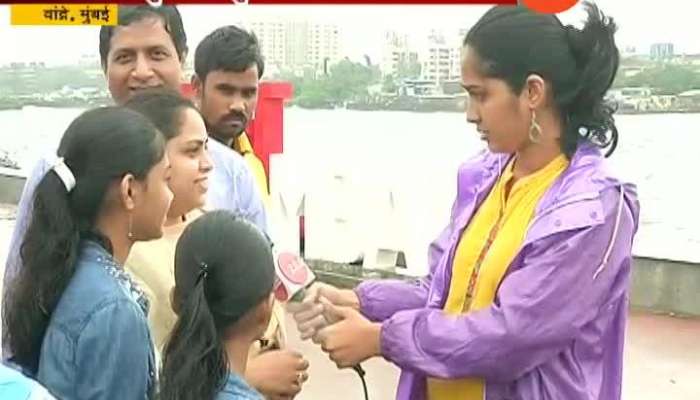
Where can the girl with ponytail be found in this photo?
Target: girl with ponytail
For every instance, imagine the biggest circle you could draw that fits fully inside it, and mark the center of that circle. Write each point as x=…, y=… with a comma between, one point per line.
x=224, y=274
x=73, y=318
x=528, y=287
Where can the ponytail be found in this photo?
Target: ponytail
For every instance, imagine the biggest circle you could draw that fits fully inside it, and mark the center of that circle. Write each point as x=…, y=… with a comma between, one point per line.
x=195, y=364
x=48, y=255
x=217, y=282
x=589, y=116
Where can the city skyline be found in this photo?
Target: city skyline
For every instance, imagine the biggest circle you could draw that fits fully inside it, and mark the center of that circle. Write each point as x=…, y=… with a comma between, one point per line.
x=362, y=28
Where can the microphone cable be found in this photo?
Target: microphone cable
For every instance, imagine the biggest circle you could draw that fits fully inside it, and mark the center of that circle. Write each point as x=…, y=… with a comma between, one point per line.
x=361, y=372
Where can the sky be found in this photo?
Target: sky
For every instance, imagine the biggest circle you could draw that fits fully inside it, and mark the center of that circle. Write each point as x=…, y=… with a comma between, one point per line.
x=362, y=27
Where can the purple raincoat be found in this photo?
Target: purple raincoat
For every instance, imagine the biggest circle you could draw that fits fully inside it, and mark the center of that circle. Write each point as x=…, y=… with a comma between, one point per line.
x=556, y=328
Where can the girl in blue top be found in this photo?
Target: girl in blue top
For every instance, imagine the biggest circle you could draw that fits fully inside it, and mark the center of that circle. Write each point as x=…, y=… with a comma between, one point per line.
x=224, y=273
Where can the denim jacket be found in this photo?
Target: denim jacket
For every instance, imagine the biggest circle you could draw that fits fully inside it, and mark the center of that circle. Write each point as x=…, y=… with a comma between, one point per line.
x=97, y=344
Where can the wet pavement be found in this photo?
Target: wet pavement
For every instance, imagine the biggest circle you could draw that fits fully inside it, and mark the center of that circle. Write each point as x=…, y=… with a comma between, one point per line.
x=662, y=362
x=662, y=357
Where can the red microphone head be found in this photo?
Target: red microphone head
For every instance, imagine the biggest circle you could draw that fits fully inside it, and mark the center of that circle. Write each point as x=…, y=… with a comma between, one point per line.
x=293, y=276
x=293, y=268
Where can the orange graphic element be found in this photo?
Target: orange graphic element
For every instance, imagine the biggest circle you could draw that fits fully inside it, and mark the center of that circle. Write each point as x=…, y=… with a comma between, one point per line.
x=550, y=6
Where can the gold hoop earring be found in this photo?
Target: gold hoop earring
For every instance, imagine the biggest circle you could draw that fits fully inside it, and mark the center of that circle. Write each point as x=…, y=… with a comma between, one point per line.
x=535, y=132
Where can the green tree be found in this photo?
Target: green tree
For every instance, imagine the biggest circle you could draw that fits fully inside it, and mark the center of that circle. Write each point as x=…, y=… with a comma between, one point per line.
x=389, y=85
x=346, y=81
x=408, y=69
x=663, y=79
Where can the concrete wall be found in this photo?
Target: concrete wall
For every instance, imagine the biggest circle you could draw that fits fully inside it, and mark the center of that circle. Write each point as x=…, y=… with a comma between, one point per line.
x=11, y=184
x=666, y=286
x=657, y=285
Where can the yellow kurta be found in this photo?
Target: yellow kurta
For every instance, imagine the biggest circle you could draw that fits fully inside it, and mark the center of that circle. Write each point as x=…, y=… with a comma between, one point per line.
x=487, y=247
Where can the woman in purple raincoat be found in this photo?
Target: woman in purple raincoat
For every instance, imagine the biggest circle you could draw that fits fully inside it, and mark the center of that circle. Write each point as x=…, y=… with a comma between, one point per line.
x=554, y=326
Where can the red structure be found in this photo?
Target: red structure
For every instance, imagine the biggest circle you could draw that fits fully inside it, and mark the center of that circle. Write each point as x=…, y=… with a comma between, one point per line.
x=266, y=130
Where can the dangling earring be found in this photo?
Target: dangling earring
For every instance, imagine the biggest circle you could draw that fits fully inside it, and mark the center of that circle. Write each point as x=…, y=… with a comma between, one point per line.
x=535, y=132
x=130, y=234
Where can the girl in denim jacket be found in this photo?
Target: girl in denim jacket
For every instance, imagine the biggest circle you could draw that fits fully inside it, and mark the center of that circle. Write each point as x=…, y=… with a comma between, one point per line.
x=74, y=318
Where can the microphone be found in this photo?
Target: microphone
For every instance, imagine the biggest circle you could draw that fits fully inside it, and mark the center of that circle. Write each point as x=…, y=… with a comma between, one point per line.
x=293, y=277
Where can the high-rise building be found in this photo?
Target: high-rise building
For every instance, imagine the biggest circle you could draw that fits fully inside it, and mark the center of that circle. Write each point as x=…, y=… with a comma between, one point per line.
x=322, y=45
x=398, y=58
x=297, y=43
x=440, y=60
x=661, y=51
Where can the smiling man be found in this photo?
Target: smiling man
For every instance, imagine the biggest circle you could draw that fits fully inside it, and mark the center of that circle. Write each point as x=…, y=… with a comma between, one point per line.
x=146, y=50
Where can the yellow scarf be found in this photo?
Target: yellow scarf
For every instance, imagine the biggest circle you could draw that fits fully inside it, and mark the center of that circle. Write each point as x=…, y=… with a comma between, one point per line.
x=243, y=147
x=487, y=247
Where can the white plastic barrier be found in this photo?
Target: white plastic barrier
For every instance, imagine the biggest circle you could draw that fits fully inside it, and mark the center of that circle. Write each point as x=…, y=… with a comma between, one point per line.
x=351, y=214
x=287, y=191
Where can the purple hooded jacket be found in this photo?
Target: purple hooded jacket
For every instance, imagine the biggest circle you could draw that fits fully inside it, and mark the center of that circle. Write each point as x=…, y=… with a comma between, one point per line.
x=556, y=328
